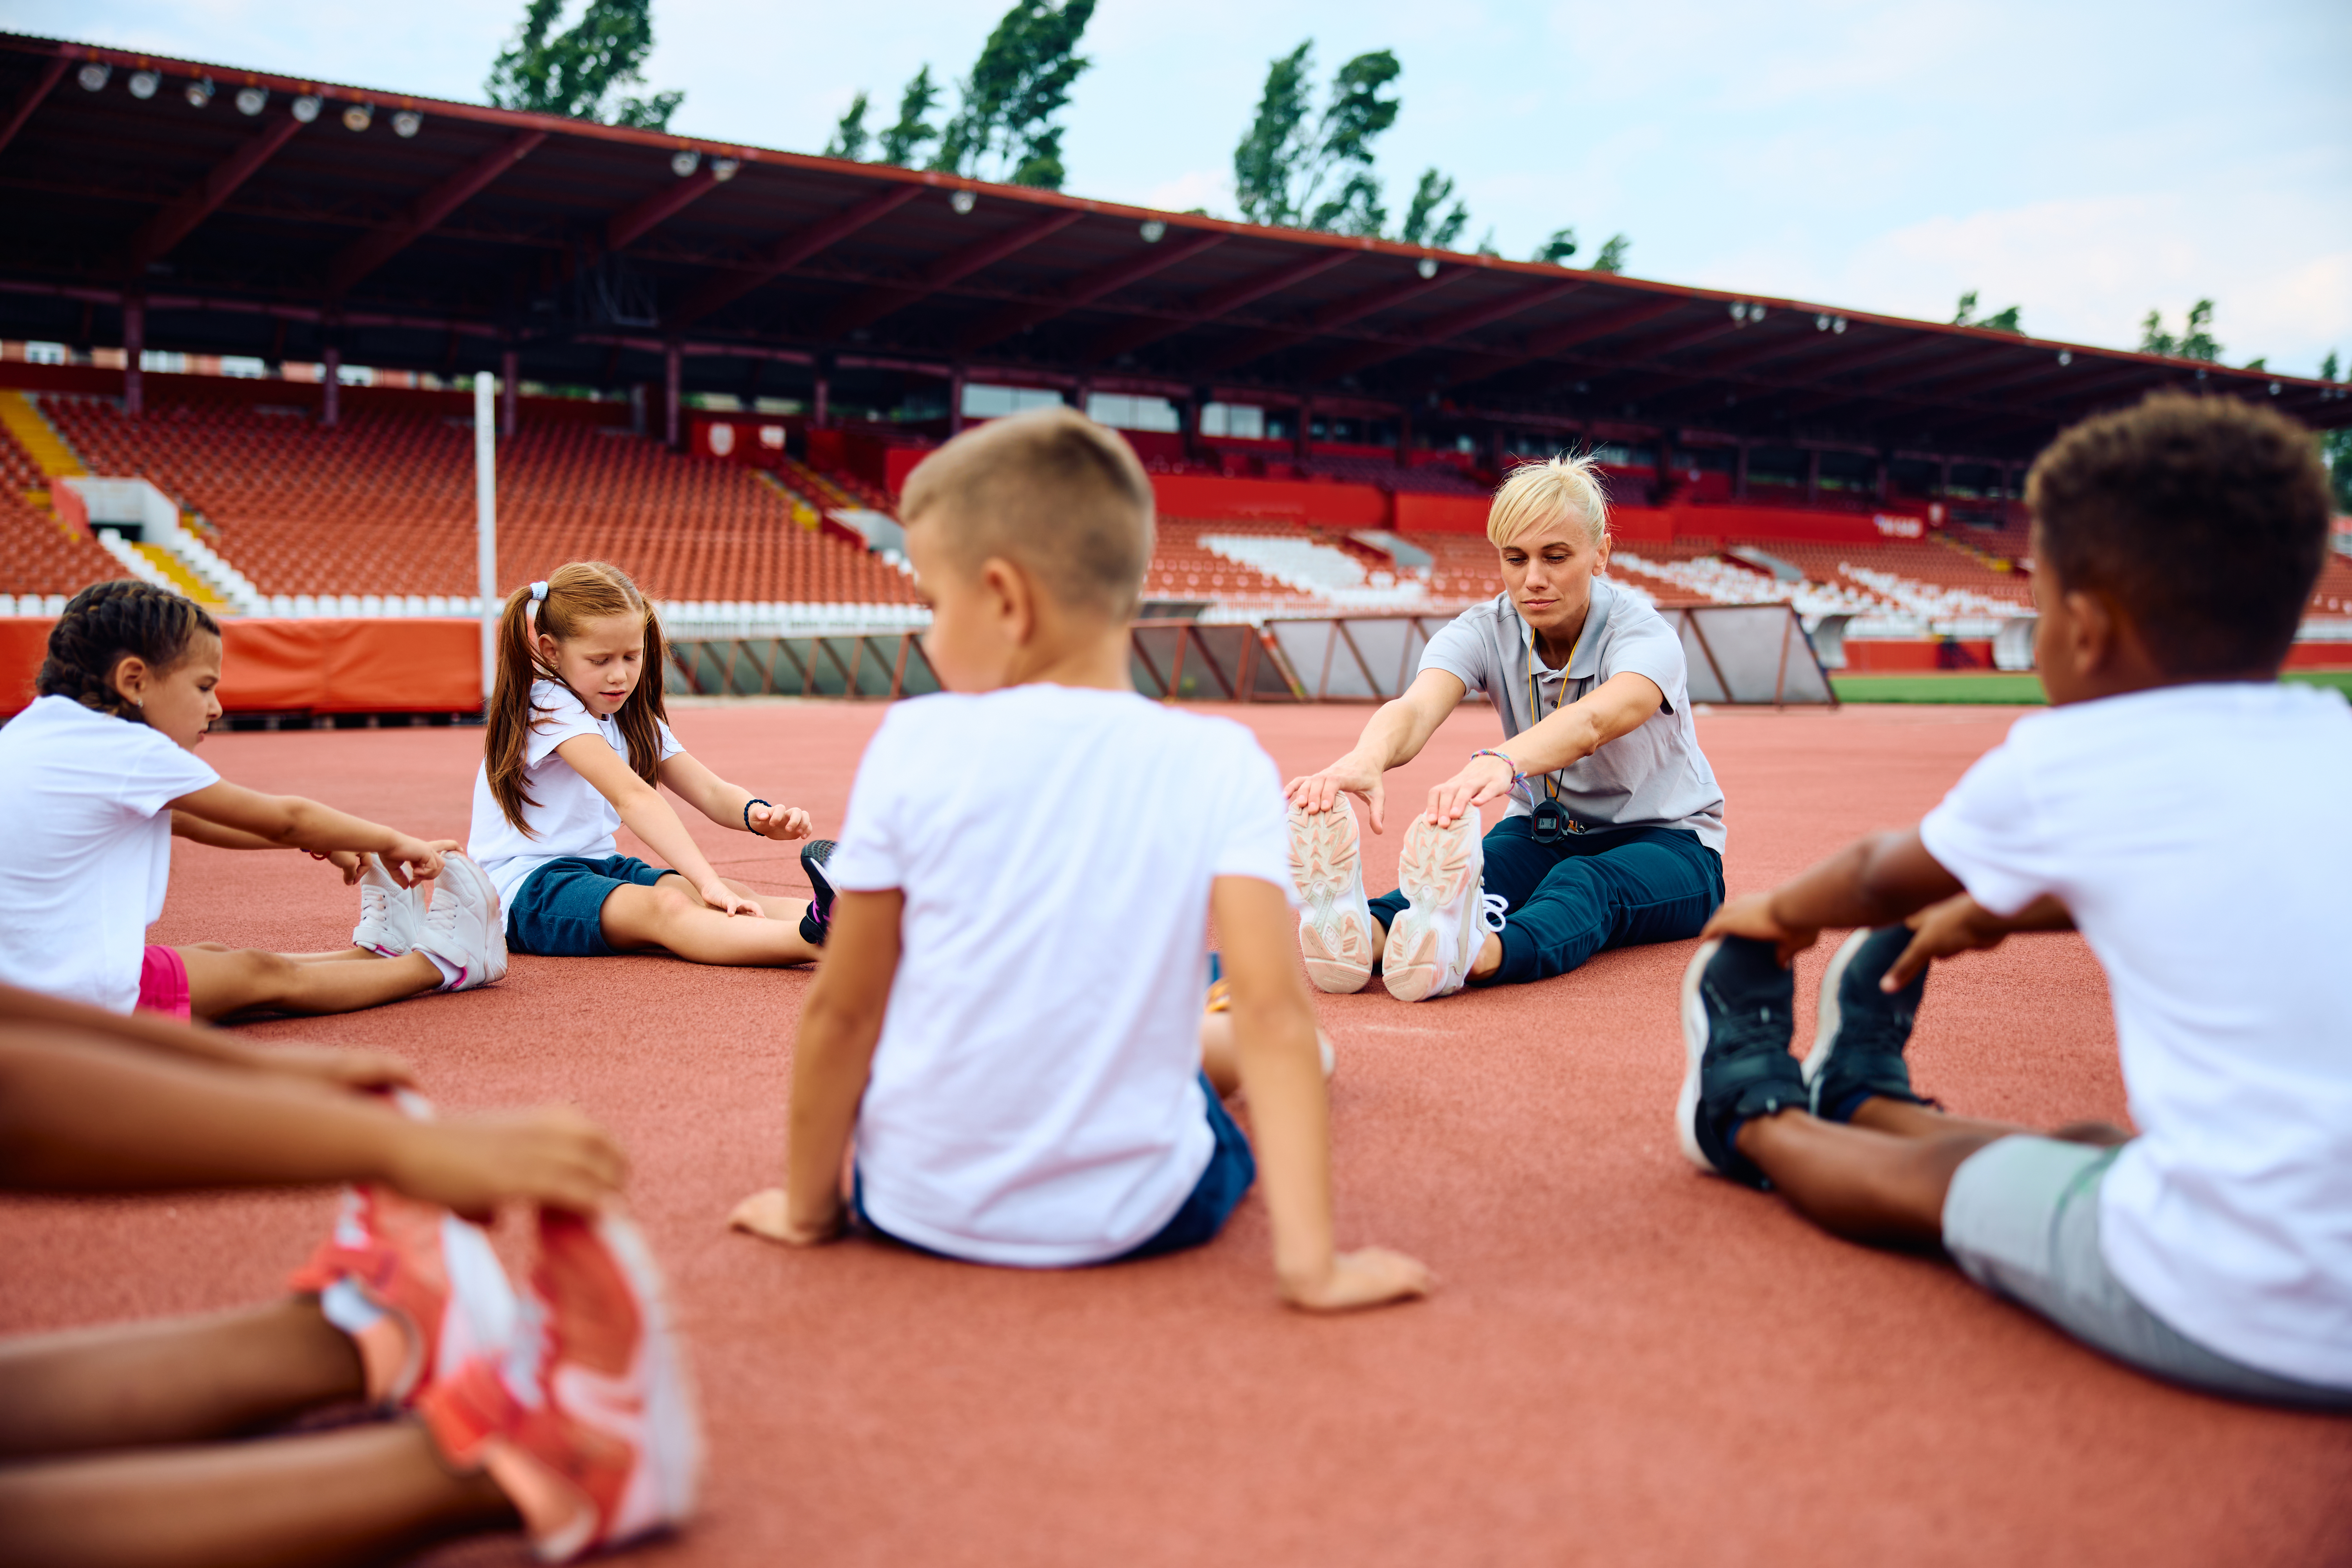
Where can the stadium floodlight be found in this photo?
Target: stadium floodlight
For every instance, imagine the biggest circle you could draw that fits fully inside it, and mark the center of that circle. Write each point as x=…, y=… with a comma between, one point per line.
x=305, y=108
x=723, y=169
x=1426, y=267
x=1153, y=231
x=144, y=83
x=199, y=92
x=1739, y=311
x=251, y=101
x=963, y=202
x=1822, y=322
x=685, y=162
x=2065, y=356
x=2274, y=389
x=359, y=116
x=93, y=75
x=407, y=123
x=1756, y=312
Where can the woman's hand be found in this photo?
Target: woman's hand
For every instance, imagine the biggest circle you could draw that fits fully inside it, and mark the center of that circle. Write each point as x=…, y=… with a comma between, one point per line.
x=1481, y=780
x=727, y=900
x=780, y=821
x=1370, y=1276
x=1353, y=775
x=409, y=860
x=769, y=1213
x=1752, y=917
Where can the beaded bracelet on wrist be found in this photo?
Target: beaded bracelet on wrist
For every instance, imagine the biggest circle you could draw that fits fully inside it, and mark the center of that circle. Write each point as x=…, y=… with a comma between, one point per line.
x=747, y=812
x=1519, y=779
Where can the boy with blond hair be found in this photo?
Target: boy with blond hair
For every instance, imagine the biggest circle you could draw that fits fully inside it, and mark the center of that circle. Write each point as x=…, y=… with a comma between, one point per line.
x=1006, y=1023
x=2185, y=811
x=1613, y=829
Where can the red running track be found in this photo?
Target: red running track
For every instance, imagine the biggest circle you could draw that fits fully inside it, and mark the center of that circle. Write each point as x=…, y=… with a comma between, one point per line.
x=1628, y=1363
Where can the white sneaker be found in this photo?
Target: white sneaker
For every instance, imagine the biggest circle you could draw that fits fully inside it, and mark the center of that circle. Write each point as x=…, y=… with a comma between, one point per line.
x=465, y=928
x=388, y=913
x=1431, y=945
x=1335, y=929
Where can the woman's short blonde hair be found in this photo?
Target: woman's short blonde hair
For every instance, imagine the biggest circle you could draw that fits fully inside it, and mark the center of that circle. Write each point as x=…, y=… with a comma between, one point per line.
x=1536, y=493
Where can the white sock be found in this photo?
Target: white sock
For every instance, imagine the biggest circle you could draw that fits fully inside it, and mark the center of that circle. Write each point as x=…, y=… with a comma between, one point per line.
x=450, y=973
x=344, y=1305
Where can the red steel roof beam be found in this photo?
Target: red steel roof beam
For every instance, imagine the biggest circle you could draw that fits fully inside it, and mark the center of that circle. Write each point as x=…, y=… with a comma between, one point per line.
x=1478, y=365
x=874, y=303
x=1215, y=302
x=176, y=218
x=425, y=214
x=633, y=222
x=1088, y=288
x=1363, y=356
x=1329, y=318
x=788, y=252
x=30, y=99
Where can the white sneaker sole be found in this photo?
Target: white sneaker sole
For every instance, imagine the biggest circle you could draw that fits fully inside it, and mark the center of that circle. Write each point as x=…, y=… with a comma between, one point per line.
x=1438, y=872
x=1832, y=1017
x=1335, y=928
x=1694, y=1012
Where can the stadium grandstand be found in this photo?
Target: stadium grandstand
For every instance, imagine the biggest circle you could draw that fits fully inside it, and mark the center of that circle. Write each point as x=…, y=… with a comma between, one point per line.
x=241, y=312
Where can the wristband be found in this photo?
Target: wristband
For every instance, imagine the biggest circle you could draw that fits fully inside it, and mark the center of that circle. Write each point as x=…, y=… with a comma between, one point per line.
x=747, y=805
x=1519, y=779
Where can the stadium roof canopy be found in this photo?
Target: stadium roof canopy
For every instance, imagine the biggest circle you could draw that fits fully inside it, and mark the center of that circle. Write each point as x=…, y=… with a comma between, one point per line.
x=592, y=251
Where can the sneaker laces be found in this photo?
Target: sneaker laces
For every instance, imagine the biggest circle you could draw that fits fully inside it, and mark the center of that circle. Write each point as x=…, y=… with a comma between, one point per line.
x=1493, y=910
x=376, y=904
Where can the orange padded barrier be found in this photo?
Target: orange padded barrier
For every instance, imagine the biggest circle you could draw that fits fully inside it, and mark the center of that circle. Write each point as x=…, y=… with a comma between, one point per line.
x=310, y=665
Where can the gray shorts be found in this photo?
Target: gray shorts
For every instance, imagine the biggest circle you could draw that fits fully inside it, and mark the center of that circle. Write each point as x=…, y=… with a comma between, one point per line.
x=2022, y=1219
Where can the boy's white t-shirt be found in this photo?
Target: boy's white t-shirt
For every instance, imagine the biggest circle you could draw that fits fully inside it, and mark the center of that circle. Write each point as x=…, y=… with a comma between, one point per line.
x=1035, y=1096
x=571, y=817
x=90, y=850
x=2200, y=837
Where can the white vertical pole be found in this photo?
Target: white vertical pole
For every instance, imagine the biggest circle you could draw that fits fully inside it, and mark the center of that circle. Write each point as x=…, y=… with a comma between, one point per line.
x=486, y=525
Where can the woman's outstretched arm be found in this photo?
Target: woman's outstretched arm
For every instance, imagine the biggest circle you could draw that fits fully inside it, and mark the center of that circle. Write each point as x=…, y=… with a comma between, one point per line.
x=1395, y=735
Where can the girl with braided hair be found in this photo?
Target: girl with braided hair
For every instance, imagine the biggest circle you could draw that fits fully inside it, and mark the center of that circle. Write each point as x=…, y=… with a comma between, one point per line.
x=575, y=744
x=97, y=776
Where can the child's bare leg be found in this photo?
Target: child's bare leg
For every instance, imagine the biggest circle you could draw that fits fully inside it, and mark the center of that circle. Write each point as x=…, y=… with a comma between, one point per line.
x=220, y=984
x=337, y=956
x=175, y=1380
x=671, y=915
x=1859, y=1181
x=774, y=906
x=360, y=1495
x=1909, y=1119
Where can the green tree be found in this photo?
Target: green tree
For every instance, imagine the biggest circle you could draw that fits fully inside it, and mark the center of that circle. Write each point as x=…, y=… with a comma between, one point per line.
x=1999, y=321
x=1558, y=248
x=2196, y=339
x=1422, y=224
x=2335, y=447
x=903, y=143
x=1300, y=169
x=850, y=136
x=1612, y=254
x=1003, y=127
x=579, y=71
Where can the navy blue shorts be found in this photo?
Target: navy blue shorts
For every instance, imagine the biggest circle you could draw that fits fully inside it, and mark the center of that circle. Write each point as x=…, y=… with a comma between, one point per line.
x=1203, y=1215
x=559, y=910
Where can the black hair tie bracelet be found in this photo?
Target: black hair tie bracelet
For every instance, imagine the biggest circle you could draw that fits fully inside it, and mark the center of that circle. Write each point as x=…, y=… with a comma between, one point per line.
x=747, y=812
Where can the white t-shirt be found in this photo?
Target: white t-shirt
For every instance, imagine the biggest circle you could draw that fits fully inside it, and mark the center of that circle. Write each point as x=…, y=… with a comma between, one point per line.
x=1035, y=1096
x=571, y=817
x=2200, y=837
x=90, y=848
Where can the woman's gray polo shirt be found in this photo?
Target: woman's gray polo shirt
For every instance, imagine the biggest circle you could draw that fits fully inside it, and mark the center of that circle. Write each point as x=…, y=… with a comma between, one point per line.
x=1654, y=777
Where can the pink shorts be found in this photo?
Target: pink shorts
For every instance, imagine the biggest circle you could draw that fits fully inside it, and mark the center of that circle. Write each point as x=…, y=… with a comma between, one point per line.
x=163, y=983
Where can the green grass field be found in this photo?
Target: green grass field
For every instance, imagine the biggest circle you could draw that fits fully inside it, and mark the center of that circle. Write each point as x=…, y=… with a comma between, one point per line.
x=1972, y=686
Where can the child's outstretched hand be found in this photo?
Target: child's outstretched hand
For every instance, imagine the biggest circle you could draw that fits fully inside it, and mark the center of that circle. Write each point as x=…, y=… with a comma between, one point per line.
x=553, y=1155
x=410, y=861
x=349, y=862
x=780, y=821
x=769, y=1213
x=341, y=1068
x=726, y=900
x=1752, y=916
x=1370, y=1277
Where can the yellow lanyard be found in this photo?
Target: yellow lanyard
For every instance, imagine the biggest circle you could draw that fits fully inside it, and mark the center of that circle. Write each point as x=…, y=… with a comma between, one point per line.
x=1536, y=714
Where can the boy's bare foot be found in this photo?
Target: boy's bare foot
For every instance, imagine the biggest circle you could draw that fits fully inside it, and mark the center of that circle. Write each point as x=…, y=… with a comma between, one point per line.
x=1370, y=1277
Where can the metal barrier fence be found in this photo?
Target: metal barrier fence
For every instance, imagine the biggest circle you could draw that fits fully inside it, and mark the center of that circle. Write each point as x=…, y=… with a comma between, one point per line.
x=1739, y=653
x=1168, y=658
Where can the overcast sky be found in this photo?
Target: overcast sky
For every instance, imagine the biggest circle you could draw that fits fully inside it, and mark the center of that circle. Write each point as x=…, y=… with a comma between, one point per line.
x=2086, y=161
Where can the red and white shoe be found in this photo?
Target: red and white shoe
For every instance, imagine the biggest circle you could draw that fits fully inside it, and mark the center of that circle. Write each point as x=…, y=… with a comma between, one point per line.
x=431, y=1291
x=1335, y=928
x=586, y=1421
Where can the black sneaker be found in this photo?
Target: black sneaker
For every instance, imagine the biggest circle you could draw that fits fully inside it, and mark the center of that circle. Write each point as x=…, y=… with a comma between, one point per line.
x=816, y=923
x=1858, y=1047
x=1738, y=1014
